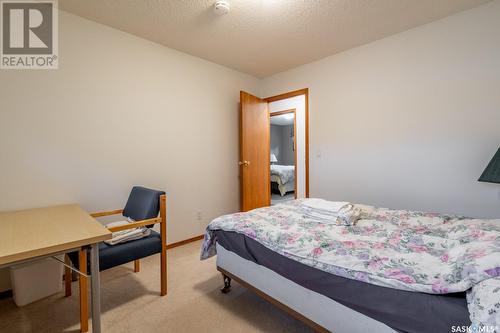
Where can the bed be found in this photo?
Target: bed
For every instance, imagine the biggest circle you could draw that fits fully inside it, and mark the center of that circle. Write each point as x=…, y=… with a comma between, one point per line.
x=260, y=249
x=283, y=178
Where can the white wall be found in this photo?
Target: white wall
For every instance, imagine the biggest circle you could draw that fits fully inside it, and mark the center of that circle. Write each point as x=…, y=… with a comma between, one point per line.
x=288, y=154
x=409, y=121
x=282, y=144
x=276, y=142
x=122, y=111
x=297, y=103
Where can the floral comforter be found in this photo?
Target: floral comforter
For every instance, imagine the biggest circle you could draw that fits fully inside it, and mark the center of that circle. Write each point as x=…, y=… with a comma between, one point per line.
x=285, y=173
x=414, y=251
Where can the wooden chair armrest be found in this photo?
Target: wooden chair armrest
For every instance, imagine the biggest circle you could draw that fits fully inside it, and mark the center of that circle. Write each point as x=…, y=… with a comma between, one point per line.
x=107, y=213
x=136, y=224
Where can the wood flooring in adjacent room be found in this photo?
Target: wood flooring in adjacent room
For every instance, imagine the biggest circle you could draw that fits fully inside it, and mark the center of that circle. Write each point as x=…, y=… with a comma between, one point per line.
x=131, y=303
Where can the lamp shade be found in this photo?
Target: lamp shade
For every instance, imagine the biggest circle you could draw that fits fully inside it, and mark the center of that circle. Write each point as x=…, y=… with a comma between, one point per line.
x=273, y=158
x=492, y=172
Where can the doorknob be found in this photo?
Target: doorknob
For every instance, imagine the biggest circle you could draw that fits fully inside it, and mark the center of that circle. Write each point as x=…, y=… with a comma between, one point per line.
x=244, y=163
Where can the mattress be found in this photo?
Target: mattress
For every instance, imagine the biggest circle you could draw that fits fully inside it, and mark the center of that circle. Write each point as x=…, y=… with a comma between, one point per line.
x=321, y=310
x=403, y=311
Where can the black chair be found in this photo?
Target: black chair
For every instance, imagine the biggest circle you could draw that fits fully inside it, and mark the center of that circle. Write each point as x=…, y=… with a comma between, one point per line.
x=143, y=206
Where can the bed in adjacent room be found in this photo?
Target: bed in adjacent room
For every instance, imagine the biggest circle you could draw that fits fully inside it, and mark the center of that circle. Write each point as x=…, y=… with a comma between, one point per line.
x=283, y=178
x=382, y=271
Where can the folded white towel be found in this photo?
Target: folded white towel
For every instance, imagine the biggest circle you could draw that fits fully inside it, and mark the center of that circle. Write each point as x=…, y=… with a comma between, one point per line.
x=126, y=235
x=321, y=204
x=340, y=213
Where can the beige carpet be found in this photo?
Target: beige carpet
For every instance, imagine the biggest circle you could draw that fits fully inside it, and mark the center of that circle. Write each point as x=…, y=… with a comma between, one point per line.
x=131, y=303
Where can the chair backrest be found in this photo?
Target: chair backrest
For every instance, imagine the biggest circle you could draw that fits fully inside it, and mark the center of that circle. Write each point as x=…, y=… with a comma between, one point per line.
x=143, y=203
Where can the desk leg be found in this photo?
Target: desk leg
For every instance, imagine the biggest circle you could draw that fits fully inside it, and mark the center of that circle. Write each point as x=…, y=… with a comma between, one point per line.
x=82, y=282
x=95, y=288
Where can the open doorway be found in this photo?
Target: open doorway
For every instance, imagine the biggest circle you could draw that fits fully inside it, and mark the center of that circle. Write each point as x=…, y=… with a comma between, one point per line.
x=298, y=101
x=283, y=157
x=256, y=115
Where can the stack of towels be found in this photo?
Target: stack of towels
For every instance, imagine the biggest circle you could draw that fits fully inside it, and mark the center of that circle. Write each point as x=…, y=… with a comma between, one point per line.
x=338, y=212
x=126, y=235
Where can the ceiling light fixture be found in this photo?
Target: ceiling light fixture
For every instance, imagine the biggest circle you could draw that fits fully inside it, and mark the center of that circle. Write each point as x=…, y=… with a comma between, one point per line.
x=222, y=7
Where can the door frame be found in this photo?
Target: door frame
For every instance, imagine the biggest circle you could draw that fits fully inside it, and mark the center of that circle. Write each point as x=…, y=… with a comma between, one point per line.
x=279, y=113
x=290, y=94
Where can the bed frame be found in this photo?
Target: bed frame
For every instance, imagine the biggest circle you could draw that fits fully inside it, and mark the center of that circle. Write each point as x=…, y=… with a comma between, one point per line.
x=227, y=277
x=315, y=310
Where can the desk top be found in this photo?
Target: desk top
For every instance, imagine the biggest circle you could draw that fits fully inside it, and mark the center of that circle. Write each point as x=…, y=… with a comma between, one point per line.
x=37, y=232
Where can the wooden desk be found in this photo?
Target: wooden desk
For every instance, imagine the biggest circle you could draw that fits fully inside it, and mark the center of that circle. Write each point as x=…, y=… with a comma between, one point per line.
x=42, y=232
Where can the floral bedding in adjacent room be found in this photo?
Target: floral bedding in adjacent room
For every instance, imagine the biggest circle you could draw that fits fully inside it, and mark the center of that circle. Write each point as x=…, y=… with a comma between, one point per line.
x=285, y=173
x=422, y=252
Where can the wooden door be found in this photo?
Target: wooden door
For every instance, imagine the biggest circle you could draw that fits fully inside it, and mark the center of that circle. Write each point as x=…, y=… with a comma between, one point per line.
x=254, y=152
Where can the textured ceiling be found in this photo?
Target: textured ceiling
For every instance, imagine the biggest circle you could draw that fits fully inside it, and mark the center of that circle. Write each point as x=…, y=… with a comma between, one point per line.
x=264, y=37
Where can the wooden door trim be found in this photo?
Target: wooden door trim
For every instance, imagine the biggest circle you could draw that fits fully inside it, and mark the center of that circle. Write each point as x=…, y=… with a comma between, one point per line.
x=269, y=156
x=240, y=149
x=290, y=94
x=279, y=113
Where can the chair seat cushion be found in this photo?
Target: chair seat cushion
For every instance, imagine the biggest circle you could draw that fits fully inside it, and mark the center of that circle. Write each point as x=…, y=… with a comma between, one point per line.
x=119, y=254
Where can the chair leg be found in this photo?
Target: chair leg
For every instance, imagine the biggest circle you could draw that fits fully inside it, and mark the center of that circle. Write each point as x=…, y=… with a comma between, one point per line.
x=163, y=233
x=137, y=266
x=163, y=273
x=84, y=314
x=67, y=277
